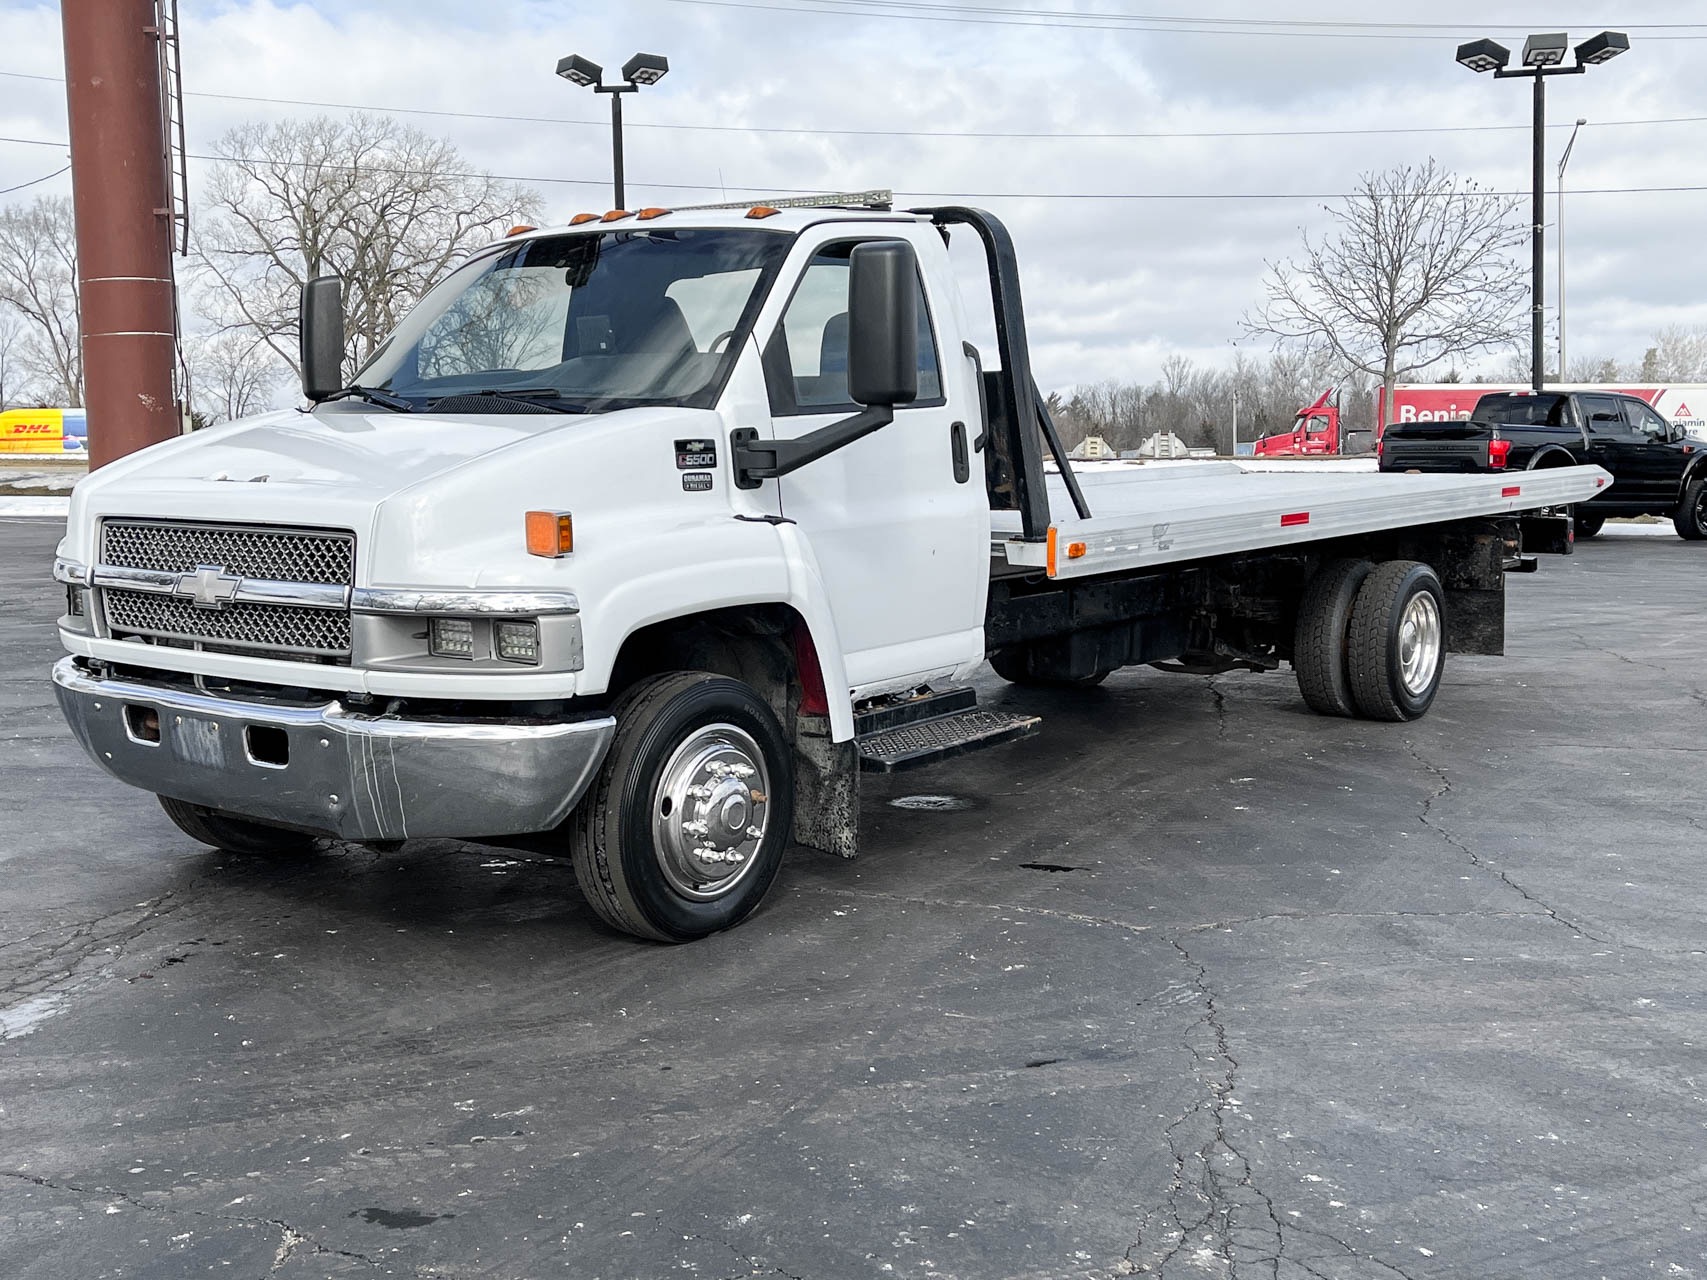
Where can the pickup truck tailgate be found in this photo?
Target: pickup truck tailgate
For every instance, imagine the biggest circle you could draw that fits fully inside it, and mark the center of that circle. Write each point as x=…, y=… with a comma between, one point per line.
x=1145, y=518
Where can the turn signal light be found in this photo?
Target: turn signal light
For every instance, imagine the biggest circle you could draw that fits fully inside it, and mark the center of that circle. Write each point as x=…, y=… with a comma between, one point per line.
x=550, y=533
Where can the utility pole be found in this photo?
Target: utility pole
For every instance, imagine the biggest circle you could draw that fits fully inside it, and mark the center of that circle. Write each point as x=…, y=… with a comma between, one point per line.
x=122, y=201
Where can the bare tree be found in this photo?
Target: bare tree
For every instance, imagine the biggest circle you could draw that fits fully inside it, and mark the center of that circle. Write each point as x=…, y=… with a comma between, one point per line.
x=38, y=282
x=232, y=374
x=1417, y=270
x=386, y=206
x=1680, y=353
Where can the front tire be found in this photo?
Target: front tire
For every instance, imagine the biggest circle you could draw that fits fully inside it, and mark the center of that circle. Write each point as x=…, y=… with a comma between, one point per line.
x=1397, y=648
x=1690, y=518
x=237, y=835
x=1319, y=643
x=683, y=832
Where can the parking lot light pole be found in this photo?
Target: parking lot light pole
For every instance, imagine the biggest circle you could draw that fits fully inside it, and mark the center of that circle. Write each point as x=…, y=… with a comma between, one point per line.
x=1543, y=55
x=1559, y=253
x=641, y=69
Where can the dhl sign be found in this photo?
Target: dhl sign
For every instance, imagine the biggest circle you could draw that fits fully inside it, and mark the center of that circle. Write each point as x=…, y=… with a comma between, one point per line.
x=44, y=431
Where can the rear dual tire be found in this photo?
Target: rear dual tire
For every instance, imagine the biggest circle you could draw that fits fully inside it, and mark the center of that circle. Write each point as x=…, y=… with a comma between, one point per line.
x=1588, y=526
x=1370, y=640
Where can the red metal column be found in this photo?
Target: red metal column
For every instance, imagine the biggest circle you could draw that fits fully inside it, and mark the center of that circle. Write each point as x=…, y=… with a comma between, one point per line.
x=124, y=225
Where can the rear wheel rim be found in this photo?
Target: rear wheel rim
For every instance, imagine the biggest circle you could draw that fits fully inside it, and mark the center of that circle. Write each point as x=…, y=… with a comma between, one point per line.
x=1701, y=509
x=1419, y=643
x=710, y=812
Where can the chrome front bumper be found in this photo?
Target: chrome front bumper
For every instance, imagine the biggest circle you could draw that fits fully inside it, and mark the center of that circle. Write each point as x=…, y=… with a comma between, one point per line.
x=326, y=768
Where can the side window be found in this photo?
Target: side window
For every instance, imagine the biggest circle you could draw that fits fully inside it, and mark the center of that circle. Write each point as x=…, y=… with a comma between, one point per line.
x=1602, y=416
x=806, y=360
x=1645, y=420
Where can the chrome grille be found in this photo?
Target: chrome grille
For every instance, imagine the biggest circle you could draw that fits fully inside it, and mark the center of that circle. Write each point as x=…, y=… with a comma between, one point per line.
x=280, y=628
x=250, y=551
x=271, y=553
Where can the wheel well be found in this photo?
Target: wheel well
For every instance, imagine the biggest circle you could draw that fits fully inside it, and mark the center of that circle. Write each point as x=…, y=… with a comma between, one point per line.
x=1551, y=456
x=763, y=645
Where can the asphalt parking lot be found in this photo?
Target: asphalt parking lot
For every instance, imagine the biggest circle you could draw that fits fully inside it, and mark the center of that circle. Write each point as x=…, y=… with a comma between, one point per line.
x=1193, y=984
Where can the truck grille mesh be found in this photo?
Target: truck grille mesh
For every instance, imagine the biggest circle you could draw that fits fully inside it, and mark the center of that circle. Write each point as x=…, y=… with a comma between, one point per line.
x=284, y=555
x=278, y=554
x=280, y=628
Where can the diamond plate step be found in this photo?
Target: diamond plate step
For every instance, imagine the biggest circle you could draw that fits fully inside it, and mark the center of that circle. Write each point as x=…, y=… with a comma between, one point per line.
x=912, y=745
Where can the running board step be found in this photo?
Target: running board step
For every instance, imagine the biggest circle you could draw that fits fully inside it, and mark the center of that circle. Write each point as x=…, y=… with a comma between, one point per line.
x=927, y=741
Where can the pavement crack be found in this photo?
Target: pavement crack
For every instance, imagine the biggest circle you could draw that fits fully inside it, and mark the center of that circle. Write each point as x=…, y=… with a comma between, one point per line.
x=1073, y=917
x=1480, y=863
x=1220, y=708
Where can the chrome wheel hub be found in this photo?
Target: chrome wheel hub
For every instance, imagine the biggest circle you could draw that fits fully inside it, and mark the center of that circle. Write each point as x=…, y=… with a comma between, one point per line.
x=1419, y=643
x=709, y=811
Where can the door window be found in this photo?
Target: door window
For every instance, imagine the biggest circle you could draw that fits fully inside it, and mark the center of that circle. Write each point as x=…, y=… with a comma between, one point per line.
x=1604, y=416
x=806, y=360
x=1645, y=420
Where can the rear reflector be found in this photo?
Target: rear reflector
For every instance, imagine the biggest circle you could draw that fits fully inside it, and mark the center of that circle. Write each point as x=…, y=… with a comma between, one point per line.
x=1294, y=518
x=1511, y=491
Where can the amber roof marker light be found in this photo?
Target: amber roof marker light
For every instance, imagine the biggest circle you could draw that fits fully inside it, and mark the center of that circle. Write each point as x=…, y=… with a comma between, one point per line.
x=641, y=69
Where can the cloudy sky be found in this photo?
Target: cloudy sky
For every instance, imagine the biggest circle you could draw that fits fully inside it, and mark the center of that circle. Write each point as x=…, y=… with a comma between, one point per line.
x=1149, y=155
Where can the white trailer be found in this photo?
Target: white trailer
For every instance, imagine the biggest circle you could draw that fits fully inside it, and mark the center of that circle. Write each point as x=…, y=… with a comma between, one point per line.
x=642, y=538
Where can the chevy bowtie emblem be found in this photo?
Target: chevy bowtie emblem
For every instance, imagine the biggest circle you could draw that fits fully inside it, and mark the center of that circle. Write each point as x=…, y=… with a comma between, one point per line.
x=209, y=587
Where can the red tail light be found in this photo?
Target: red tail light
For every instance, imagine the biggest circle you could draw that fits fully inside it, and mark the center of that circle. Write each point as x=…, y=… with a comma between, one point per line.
x=1497, y=452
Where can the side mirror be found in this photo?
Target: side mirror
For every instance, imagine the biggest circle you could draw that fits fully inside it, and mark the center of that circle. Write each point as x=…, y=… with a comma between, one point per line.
x=321, y=319
x=883, y=324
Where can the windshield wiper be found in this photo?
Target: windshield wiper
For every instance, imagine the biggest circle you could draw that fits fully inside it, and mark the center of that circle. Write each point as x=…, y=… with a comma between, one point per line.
x=373, y=395
x=563, y=405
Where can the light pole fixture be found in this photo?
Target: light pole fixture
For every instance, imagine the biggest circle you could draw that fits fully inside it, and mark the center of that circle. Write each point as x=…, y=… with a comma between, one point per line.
x=1559, y=253
x=1543, y=55
x=641, y=69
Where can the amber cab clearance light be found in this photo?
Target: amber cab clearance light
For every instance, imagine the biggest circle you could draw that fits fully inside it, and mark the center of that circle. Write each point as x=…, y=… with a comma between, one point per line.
x=550, y=534
x=646, y=215
x=580, y=219
x=521, y=228
x=616, y=215
x=762, y=211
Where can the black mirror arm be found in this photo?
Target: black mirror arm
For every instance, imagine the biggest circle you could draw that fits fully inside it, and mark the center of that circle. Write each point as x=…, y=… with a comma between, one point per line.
x=754, y=460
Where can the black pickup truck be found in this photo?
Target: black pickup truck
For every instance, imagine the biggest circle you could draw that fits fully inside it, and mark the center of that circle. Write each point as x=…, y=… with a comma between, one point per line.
x=1656, y=468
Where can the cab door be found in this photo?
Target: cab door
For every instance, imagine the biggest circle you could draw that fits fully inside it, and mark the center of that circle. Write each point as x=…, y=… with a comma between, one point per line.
x=1614, y=444
x=899, y=521
x=1660, y=461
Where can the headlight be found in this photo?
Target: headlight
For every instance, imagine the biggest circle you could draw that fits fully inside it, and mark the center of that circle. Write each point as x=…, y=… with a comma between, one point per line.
x=451, y=638
x=518, y=641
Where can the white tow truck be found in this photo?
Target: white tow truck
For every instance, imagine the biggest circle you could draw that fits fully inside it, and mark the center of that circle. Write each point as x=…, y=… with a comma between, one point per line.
x=642, y=537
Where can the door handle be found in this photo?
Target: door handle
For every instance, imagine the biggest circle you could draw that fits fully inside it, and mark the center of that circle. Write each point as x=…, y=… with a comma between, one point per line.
x=957, y=447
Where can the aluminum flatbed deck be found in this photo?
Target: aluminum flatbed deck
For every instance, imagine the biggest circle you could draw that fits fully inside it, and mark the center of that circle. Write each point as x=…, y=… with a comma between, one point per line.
x=1145, y=519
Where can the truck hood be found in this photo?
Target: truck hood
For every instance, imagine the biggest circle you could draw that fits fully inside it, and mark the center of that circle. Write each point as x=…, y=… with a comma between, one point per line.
x=439, y=478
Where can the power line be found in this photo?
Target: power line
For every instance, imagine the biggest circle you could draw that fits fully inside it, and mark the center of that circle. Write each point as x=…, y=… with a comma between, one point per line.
x=897, y=133
x=1059, y=20
x=921, y=195
x=5, y=191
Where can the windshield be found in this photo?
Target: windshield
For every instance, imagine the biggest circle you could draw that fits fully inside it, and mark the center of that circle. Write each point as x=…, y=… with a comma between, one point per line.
x=585, y=322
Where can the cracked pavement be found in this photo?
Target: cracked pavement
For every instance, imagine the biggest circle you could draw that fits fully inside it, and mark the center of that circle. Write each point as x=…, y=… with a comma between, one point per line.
x=1190, y=986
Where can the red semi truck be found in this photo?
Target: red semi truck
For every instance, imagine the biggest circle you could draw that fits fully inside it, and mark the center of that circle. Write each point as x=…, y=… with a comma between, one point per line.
x=1315, y=433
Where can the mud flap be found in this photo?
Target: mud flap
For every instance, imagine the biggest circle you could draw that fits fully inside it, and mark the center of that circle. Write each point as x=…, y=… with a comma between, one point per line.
x=826, y=789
